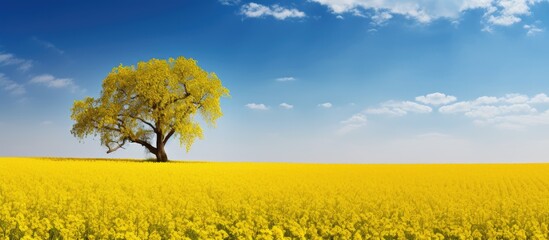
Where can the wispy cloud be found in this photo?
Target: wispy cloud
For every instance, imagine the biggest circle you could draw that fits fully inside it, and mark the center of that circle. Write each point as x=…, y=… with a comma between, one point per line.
x=517, y=121
x=483, y=101
x=257, y=106
x=488, y=29
x=48, y=45
x=532, y=30
x=539, y=98
x=285, y=79
x=53, y=82
x=229, y=2
x=496, y=12
x=286, y=106
x=7, y=59
x=325, y=105
x=255, y=10
x=512, y=111
x=381, y=17
x=385, y=111
x=483, y=110
x=436, y=99
x=399, y=108
x=353, y=123
x=10, y=86
x=503, y=20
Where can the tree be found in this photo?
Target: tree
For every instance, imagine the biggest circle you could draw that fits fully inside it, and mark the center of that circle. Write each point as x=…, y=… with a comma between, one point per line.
x=150, y=104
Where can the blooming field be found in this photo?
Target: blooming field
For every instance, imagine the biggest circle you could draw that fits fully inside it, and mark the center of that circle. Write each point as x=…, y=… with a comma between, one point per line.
x=41, y=198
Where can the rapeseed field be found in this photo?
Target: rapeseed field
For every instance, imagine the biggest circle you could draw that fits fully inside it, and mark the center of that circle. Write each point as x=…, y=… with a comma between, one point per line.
x=79, y=199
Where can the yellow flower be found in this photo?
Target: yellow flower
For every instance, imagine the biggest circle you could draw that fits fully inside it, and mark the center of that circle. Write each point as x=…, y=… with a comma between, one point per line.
x=44, y=198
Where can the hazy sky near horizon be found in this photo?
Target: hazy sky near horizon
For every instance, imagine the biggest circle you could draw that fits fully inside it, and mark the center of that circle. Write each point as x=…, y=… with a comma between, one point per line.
x=311, y=80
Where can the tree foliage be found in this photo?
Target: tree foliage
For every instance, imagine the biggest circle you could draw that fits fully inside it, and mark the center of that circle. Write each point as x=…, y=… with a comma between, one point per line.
x=149, y=104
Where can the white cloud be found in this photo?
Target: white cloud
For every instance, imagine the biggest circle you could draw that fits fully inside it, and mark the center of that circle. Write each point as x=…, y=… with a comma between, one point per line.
x=488, y=29
x=257, y=106
x=355, y=119
x=286, y=106
x=229, y=2
x=515, y=122
x=436, y=99
x=517, y=108
x=504, y=20
x=7, y=59
x=486, y=100
x=285, y=79
x=357, y=13
x=512, y=111
x=532, y=30
x=53, y=82
x=354, y=122
x=409, y=106
x=10, y=86
x=399, y=108
x=483, y=112
x=456, y=107
x=508, y=12
x=381, y=17
x=467, y=106
x=490, y=111
x=515, y=98
x=496, y=12
x=539, y=98
x=325, y=105
x=386, y=111
x=255, y=10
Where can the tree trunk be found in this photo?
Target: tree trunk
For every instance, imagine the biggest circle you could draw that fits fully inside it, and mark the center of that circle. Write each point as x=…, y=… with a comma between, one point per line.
x=161, y=155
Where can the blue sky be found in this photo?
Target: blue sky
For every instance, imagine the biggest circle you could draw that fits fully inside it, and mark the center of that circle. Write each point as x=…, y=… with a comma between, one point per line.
x=311, y=81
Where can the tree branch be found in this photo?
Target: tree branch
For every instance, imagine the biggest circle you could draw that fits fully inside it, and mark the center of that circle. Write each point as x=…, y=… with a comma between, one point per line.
x=113, y=129
x=169, y=136
x=181, y=98
x=120, y=145
x=126, y=94
x=144, y=121
x=144, y=144
x=199, y=103
x=130, y=138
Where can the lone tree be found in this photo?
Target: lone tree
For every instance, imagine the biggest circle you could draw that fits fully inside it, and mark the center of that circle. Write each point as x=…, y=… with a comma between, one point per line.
x=150, y=104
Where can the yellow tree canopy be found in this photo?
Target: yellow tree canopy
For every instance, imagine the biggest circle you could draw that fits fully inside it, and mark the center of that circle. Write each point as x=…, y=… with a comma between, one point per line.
x=149, y=104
